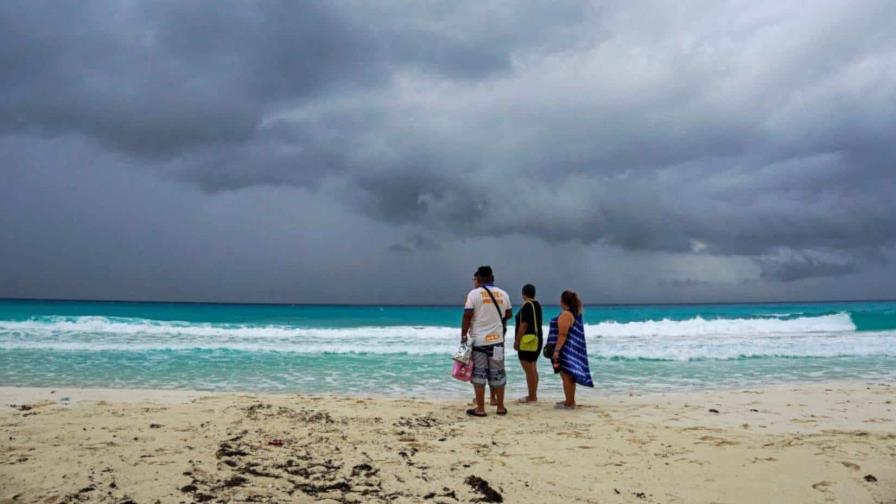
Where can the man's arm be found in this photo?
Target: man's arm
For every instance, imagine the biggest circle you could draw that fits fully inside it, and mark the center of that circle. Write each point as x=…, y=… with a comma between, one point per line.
x=465, y=325
x=508, y=307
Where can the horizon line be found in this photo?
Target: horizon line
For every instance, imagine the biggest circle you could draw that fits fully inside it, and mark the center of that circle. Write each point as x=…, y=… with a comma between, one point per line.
x=412, y=305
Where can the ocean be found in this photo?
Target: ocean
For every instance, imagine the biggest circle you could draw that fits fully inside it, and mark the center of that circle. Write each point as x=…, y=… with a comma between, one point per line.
x=406, y=350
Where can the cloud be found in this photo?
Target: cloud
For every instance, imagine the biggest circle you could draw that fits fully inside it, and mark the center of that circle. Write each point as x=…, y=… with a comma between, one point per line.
x=753, y=138
x=157, y=79
x=788, y=265
x=652, y=142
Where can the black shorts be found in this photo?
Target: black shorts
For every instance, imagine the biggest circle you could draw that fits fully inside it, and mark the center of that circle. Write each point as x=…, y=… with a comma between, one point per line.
x=530, y=356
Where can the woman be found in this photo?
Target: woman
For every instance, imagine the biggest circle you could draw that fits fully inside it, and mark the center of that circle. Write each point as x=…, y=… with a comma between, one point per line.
x=529, y=339
x=570, y=357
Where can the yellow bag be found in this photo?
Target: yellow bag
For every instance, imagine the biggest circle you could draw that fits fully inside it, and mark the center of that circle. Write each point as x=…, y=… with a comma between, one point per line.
x=529, y=342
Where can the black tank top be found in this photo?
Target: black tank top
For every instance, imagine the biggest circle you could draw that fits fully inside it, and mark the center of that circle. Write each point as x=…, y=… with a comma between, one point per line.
x=525, y=314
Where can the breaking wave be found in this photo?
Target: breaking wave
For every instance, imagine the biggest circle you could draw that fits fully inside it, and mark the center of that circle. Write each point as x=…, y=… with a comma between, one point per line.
x=693, y=339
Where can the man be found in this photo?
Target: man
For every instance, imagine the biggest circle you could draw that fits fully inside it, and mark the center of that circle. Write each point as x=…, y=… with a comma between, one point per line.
x=486, y=311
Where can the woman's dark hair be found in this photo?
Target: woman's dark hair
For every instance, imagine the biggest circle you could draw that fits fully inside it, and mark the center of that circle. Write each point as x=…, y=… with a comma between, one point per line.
x=572, y=301
x=529, y=290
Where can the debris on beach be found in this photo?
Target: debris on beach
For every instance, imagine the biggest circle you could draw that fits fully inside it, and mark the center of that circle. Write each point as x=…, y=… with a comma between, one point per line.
x=226, y=450
x=713, y=410
x=235, y=481
x=417, y=421
x=488, y=493
x=870, y=478
x=447, y=493
x=364, y=470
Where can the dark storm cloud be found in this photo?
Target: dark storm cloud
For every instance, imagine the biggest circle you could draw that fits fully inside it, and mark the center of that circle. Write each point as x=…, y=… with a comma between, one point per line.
x=775, y=143
x=749, y=142
x=155, y=79
x=159, y=78
x=791, y=265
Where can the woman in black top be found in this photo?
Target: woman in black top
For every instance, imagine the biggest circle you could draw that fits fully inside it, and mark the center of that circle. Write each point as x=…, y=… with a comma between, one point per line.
x=528, y=323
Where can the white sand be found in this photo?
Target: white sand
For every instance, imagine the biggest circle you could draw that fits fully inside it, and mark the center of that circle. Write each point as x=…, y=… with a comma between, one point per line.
x=804, y=443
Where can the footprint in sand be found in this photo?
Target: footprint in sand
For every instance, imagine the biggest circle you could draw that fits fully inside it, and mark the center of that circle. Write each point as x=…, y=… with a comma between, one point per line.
x=717, y=441
x=850, y=465
x=825, y=488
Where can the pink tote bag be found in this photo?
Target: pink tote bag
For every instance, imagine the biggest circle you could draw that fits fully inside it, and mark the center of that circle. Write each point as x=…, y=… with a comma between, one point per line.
x=462, y=371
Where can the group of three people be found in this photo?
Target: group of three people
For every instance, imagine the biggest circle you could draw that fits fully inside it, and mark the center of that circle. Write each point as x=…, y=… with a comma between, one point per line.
x=486, y=312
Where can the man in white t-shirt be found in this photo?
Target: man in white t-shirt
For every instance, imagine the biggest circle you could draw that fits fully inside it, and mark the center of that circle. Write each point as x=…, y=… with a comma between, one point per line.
x=486, y=312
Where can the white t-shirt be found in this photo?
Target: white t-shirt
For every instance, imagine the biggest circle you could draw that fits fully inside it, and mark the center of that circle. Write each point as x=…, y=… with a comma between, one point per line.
x=486, y=328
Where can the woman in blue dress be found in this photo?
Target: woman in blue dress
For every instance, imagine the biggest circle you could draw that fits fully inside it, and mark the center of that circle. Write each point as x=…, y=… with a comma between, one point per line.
x=570, y=357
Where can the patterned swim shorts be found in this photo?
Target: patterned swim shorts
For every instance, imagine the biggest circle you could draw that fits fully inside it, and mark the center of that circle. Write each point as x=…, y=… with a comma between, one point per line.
x=487, y=369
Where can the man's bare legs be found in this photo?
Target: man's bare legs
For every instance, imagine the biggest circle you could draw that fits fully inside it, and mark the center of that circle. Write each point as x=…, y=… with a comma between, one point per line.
x=480, y=398
x=492, y=397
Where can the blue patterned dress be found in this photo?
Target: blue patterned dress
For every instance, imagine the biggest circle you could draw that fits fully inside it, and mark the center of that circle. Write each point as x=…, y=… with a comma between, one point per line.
x=573, y=355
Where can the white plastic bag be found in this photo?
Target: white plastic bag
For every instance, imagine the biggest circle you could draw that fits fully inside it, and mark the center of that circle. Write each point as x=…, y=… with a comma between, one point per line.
x=464, y=353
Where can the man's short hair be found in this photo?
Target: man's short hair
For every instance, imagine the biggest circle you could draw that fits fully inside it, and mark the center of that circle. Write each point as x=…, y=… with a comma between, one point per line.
x=485, y=274
x=529, y=290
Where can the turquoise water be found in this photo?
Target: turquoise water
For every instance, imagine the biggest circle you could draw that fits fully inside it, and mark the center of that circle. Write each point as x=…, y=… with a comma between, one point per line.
x=406, y=350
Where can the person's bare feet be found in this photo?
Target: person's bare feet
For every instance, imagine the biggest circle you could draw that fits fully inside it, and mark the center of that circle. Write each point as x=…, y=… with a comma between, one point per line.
x=563, y=405
x=526, y=400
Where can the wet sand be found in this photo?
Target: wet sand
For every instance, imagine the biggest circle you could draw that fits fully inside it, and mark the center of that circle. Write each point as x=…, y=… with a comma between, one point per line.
x=831, y=442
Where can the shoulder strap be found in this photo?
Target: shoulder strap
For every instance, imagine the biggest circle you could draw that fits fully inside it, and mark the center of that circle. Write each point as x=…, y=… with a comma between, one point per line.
x=534, y=314
x=495, y=302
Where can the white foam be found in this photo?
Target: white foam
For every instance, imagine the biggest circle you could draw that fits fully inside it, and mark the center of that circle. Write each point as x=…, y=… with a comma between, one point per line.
x=146, y=327
x=698, y=326
x=697, y=338
x=728, y=348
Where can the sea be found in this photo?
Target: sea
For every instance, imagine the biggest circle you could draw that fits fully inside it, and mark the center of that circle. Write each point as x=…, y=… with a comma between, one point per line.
x=406, y=350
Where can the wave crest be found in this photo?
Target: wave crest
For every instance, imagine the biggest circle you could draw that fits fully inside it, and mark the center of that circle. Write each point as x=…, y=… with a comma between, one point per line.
x=698, y=326
x=831, y=335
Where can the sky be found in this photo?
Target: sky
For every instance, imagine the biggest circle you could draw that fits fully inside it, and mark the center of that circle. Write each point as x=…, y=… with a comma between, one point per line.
x=378, y=152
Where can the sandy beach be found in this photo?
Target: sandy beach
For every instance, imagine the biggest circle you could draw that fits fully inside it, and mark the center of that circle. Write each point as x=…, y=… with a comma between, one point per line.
x=833, y=442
